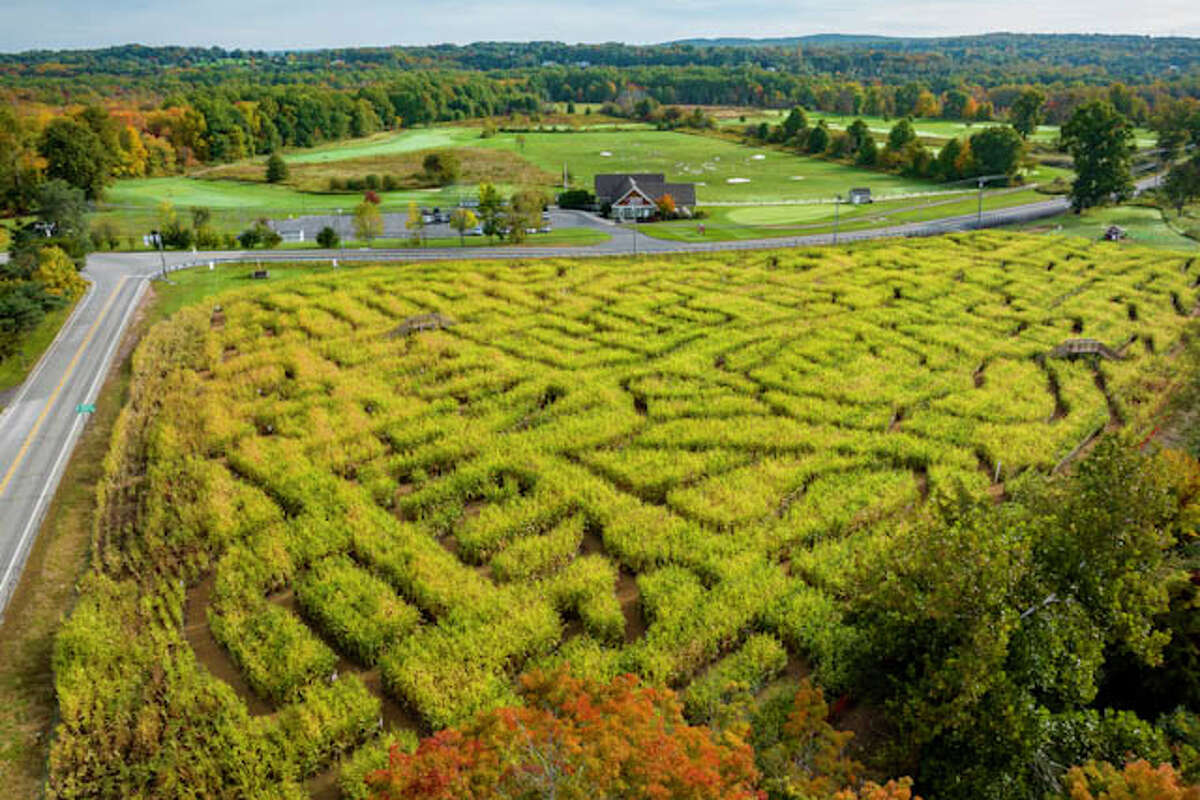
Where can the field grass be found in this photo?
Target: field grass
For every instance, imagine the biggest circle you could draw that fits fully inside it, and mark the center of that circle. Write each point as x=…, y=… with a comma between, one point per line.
x=477, y=165
x=13, y=371
x=630, y=465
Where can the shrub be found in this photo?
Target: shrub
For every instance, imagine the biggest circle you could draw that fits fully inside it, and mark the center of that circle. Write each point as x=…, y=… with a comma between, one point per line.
x=328, y=238
x=576, y=198
x=104, y=236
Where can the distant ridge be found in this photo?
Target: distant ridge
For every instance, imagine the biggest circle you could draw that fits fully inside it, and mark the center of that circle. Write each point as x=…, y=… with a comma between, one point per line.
x=832, y=39
x=917, y=42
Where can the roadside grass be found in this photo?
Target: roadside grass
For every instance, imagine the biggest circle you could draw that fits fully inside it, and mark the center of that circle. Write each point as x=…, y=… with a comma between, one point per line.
x=14, y=370
x=563, y=237
x=47, y=592
x=192, y=285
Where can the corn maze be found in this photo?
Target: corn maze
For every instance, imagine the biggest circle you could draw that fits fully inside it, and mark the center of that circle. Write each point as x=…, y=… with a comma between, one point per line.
x=660, y=467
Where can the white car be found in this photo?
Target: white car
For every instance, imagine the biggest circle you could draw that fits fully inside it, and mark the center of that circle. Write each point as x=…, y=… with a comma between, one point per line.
x=476, y=231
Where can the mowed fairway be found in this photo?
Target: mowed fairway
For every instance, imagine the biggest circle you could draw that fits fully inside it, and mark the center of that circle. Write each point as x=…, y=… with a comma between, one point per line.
x=760, y=175
x=326, y=512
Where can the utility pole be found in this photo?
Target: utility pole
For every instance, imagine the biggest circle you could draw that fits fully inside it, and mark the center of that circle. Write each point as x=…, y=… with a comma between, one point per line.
x=979, y=215
x=837, y=205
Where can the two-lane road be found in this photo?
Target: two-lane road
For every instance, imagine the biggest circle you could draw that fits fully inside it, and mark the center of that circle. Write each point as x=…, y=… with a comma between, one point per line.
x=39, y=428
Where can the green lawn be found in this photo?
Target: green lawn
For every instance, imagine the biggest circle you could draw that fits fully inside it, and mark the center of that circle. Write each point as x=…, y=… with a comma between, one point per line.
x=1145, y=226
x=13, y=371
x=770, y=175
x=739, y=223
x=132, y=205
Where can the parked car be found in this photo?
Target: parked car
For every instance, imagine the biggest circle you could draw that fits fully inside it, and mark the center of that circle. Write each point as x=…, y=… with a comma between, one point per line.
x=476, y=231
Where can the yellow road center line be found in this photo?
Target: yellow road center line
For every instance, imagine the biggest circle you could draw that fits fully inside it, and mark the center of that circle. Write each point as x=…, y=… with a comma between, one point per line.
x=8, y=476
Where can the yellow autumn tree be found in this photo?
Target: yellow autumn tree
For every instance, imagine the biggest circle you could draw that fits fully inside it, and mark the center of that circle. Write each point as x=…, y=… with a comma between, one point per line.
x=133, y=154
x=57, y=273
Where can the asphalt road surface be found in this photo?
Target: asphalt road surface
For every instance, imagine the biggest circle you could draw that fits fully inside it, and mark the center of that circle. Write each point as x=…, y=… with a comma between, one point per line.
x=42, y=423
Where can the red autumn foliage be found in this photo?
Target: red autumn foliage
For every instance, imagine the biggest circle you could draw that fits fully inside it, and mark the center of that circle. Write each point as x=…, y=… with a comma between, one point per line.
x=371, y=197
x=576, y=739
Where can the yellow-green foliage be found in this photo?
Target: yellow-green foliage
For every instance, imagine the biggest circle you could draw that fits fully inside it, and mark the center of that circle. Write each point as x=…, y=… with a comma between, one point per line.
x=654, y=466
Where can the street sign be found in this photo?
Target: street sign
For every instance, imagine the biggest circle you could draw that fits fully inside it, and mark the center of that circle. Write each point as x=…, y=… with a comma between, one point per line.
x=85, y=408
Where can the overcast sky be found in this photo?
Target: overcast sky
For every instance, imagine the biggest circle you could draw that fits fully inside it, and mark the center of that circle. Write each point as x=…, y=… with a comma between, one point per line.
x=284, y=24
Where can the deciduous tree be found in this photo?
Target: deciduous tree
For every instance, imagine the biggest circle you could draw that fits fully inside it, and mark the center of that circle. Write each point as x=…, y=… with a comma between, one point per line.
x=491, y=206
x=575, y=739
x=463, y=220
x=1100, y=140
x=1027, y=112
x=997, y=150
x=75, y=154
x=368, y=222
x=1137, y=781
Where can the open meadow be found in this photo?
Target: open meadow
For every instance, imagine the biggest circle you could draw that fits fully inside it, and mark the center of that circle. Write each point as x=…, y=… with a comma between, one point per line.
x=343, y=509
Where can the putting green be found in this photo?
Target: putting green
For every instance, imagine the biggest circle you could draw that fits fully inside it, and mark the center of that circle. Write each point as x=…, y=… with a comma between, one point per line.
x=780, y=215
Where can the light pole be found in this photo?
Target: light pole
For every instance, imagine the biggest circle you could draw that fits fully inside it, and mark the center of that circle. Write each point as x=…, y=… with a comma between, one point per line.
x=979, y=214
x=157, y=237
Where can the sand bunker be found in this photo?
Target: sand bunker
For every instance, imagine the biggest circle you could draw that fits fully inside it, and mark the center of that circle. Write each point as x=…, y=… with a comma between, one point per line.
x=758, y=157
x=737, y=180
x=605, y=154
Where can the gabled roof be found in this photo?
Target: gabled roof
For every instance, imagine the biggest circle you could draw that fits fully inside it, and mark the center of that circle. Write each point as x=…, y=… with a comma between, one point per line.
x=611, y=188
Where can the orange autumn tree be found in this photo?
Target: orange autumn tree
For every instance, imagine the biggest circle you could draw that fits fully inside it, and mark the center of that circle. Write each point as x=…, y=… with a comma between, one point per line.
x=1137, y=781
x=575, y=739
